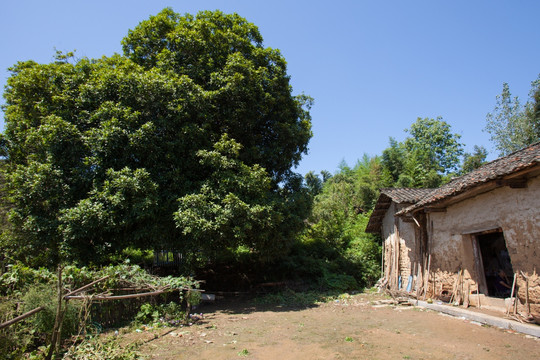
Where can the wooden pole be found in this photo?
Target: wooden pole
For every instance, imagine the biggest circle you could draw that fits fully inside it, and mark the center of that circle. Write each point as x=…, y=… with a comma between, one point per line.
x=426, y=284
x=527, y=303
x=516, y=298
x=56, y=333
x=382, y=259
x=117, y=297
x=460, y=293
x=85, y=287
x=455, y=287
x=434, y=286
x=21, y=317
x=512, y=294
x=422, y=281
x=417, y=279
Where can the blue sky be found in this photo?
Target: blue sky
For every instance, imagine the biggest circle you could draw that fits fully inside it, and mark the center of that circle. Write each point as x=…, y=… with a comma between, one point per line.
x=373, y=67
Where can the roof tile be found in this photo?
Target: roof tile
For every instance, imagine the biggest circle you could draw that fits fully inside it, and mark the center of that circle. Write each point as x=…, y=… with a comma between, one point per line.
x=494, y=170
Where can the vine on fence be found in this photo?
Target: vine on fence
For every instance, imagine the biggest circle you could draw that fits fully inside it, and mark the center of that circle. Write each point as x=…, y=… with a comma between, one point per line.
x=83, y=285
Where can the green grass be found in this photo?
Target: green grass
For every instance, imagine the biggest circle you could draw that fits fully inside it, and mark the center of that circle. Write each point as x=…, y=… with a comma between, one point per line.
x=244, y=352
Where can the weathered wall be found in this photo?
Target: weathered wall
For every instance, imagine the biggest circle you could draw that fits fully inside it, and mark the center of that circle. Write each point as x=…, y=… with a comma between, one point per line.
x=400, y=250
x=408, y=250
x=529, y=295
x=388, y=234
x=515, y=211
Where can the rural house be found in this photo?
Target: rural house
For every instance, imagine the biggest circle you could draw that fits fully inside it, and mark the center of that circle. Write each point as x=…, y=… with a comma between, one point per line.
x=453, y=242
x=401, y=251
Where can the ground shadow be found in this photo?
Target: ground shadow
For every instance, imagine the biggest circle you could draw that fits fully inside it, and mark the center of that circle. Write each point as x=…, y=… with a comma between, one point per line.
x=285, y=301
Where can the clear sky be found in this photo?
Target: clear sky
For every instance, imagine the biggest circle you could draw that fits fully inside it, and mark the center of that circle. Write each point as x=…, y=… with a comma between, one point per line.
x=373, y=67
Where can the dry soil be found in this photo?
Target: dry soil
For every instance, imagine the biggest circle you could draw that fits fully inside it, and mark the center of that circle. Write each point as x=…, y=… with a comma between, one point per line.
x=352, y=328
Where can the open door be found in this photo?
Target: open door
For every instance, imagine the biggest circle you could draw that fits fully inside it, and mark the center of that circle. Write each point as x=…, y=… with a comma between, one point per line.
x=491, y=257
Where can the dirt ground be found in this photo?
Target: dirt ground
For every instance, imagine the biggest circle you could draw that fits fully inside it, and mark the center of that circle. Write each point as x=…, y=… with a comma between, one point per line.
x=353, y=328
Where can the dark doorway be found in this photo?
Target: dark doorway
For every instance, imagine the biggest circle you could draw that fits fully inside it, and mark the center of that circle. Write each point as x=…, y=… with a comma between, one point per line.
x=497, y=265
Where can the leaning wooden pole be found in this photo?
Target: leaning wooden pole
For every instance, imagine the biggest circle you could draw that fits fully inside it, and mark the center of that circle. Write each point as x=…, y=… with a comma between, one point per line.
x=512, y=294
x=516, y=299
x=527, y=303
x=21, y=317
x=85, y=287
x=426, y=284
x=117, y=297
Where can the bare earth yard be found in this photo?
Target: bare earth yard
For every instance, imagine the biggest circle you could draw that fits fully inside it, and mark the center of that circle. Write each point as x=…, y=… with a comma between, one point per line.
x=354, y=328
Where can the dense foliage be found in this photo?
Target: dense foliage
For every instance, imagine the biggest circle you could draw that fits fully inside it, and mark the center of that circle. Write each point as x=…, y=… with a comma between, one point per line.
x=334, y=250
x=99, y=151
x=474, y=160
x=234, y=207
x=23, y=288
x=424, y=159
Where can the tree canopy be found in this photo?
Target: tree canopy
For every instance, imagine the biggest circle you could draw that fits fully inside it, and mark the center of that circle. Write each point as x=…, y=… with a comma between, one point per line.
x=431, y=152
x=512, y=125
x=474, y=160
x=99, y=151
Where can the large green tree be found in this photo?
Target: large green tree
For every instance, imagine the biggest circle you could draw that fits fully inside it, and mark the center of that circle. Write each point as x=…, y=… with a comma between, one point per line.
x=434, y=145
x=100, y=150
x=512, y=125
x=235, y=207
x=426, y=157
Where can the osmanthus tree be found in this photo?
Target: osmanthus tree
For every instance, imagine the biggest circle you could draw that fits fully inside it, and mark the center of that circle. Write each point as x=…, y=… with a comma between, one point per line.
x=235, y=206
x=98, y=151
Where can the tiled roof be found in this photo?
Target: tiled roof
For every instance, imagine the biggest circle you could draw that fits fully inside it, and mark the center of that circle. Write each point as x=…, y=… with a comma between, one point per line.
x=497, y=169
x=405, y=195
x=399, y=196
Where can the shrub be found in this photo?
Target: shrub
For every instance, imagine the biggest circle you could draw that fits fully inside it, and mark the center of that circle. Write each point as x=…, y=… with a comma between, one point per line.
x=167, y=314
x=15, y=339
x=338, y=282
x=43, y=321
x=147, y=314
x=19, y=278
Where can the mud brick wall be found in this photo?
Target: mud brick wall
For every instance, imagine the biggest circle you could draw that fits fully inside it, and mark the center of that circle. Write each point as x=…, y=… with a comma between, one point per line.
x=513, y=210
x=534, y=293
x=400, y=249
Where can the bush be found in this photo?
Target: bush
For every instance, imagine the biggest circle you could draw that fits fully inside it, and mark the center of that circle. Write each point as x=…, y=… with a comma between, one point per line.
x=43, y=321
x=166, y=314
x=338, y=282
x=25, y=335
x=19, y=278
x=15, y=339
x=37, y=287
